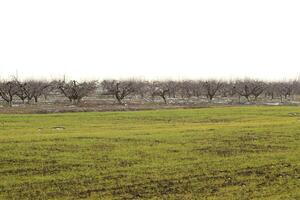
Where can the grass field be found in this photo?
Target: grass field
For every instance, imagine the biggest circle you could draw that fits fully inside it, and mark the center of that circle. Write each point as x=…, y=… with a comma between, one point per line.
x=211, y=153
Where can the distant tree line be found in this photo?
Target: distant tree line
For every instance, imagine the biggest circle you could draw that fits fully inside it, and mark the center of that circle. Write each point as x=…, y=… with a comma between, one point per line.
x=29, y=91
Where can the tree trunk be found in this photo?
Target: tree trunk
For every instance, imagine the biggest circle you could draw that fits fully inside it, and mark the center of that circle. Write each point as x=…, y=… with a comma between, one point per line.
x=255, y=98
x=119, y=99
x=248, y=98
x=164, y=98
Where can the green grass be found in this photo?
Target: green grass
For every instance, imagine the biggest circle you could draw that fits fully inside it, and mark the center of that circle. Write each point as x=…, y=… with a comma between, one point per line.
x=210, y=153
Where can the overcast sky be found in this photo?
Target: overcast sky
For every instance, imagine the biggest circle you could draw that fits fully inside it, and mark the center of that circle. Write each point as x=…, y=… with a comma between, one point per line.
x=150, y=39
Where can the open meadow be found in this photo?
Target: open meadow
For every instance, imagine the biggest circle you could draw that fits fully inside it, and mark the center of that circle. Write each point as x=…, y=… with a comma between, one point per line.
x=240, y=152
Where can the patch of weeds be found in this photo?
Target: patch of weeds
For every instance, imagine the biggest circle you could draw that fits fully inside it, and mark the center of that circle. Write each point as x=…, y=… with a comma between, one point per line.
x=238, y=149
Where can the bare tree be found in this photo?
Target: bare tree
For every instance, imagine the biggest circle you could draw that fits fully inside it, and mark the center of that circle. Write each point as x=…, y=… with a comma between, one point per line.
x=284, y=89
x=35, y=89
x=173, y=87
x=211, y=88
x=251, y=90
x=141, y=88
x=258, y=89
x=243, y=89
x=248, y=88
x=21, y=93
x=186, y=89
x=160, y=89
x=32, y=89
x=119, y=89
x=196, y=87
x=271, y=90
x=295, y=88
x=8, y=89
x=227, y=89
x=75, y=91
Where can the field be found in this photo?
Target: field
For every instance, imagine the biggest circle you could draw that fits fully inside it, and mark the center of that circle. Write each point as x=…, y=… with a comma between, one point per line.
x=247, y=152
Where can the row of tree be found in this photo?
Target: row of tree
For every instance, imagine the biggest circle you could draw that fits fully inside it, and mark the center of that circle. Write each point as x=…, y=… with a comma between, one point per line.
x=74, y=91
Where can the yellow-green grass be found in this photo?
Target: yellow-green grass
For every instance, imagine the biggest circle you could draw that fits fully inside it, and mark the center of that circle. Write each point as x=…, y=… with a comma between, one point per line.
x=211, y=153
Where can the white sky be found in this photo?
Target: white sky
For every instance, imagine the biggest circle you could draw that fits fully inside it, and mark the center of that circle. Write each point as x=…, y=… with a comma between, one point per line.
x=150, y=39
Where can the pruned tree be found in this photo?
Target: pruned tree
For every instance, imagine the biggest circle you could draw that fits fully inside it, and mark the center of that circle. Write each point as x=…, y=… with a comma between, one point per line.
x=119, y=89
x=36, y=89
x=8, y=89
x=186, y=89
x=160, y=89
x=284, y=89
x=211, y=87
x=227, y=89
x=242, y=88
x=75, y=91
x=248, y=88
x=173, y=87
x=142, y=88
x=21, y=93
x=33, y=89
x=196, y=88
x=258, y=89
x=271, y=90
